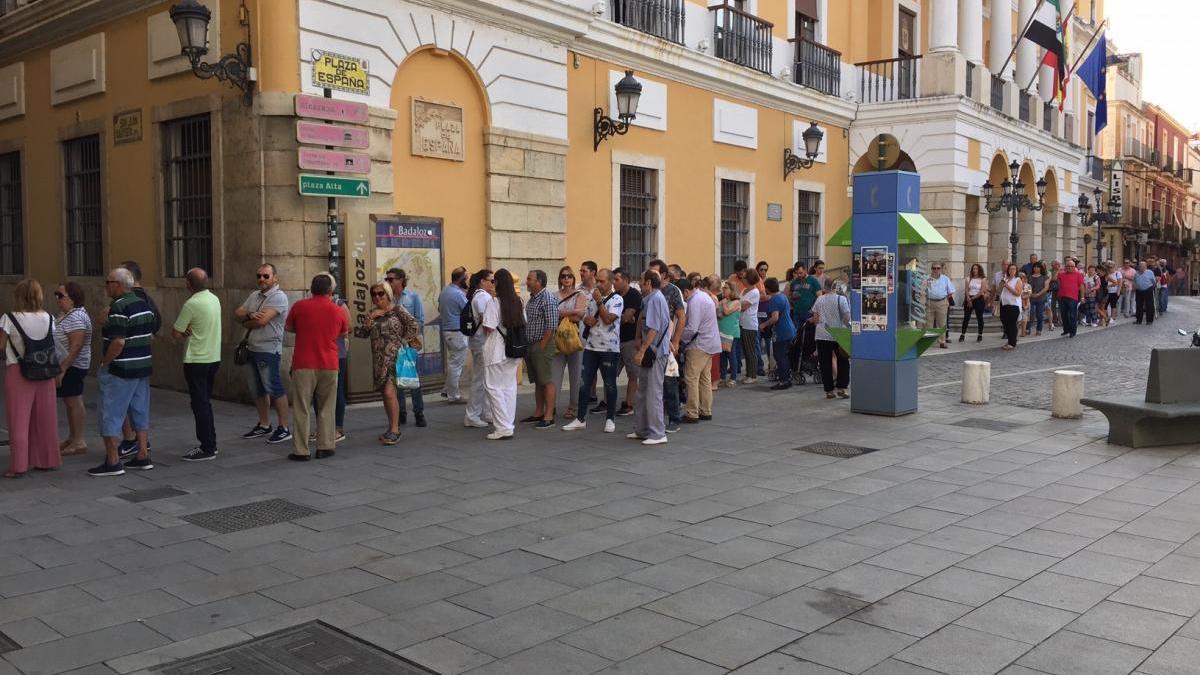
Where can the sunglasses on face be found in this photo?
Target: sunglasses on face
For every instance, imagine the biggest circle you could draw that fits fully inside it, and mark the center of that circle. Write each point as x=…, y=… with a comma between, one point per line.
x=390, y=279
x=566, y=276
x=60, y=296
x=263, y=276
x=378, y=294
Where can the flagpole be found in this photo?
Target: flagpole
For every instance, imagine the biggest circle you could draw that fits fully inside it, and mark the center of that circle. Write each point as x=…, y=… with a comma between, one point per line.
x=1036, y=71
x=1021, y=36
x=1089, y=44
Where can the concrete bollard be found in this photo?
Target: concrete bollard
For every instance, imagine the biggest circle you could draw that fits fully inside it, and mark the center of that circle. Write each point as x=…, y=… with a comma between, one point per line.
x=976, y=382
x=1068, y=389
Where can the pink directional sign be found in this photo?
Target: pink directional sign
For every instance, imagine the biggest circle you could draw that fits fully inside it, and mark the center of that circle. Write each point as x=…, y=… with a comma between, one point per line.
x=315, y=133
x=331, y=109
x=316, y=159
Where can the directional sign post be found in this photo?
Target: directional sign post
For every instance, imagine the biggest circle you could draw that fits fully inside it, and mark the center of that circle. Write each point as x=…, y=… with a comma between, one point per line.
x=334, y=186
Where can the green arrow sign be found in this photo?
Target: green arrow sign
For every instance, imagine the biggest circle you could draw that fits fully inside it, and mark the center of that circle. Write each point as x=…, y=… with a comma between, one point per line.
x=334, y=186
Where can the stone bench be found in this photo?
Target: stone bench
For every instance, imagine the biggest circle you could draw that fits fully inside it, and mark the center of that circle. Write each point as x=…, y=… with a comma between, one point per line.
x=1170, y=412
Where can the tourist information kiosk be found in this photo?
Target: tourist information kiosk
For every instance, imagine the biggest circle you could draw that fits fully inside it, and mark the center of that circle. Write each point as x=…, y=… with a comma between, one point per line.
x=888, y=238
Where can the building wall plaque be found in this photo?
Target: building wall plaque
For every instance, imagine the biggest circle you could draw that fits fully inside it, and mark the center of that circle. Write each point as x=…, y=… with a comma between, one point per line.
x=127, y=127
x=437, y=130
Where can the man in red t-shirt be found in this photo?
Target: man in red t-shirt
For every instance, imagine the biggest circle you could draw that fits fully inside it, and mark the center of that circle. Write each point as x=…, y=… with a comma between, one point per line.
x=317, y=323
x=1070, y=292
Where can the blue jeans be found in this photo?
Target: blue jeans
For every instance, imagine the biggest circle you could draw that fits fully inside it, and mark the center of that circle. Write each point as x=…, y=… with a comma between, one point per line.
x=262, y=375
x=608, y=363
x=1163, y=294
x=417, y=400
x=1038, y=309
x=729, y=361
x=671, y=407
x=119, y=397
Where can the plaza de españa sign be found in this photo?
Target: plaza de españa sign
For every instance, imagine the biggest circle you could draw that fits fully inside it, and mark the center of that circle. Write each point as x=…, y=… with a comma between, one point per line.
x=340, y=73
x=334, y=186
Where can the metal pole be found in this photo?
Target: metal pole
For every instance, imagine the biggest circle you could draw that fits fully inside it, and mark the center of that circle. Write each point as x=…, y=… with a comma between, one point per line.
x=331, y=231
x=1014, y=237
x=1021, y=36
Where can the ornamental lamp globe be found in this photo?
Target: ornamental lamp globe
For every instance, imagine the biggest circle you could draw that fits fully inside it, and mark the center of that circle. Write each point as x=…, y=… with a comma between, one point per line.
x=629, y=92
x=987, y=190
x=1041, y=188
x=191, y=20
x=1085, y=208
x=812, y=140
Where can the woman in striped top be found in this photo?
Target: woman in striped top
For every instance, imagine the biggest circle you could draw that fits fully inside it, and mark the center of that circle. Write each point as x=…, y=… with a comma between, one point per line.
x=73, y=340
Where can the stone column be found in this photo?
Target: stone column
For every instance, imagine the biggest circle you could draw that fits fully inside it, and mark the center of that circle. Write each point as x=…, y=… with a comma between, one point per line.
x=527, y=197
x=1046, y=82
x=1026, y=51
x=1001, y=37
x=943, y=26
x=970, y=30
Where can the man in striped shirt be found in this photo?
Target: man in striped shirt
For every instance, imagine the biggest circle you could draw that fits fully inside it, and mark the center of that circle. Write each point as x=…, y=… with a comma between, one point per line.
x=125, y=366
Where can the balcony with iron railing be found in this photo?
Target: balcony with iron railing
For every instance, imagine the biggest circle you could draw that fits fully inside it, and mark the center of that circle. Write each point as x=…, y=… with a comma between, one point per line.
x=818, y=67
x=1024, y=106
x=1048, y=116
x=741, y=38
x=10, y=6
x=997, y=93
x=1095, y=167
x=887, y=80
x=660, y=18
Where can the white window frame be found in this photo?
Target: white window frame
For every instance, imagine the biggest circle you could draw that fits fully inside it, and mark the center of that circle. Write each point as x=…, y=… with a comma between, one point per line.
x=723, y=173
x=807, y=186
x=658, y=164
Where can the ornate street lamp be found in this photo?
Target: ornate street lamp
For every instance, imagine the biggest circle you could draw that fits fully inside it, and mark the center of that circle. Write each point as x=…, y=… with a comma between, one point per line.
x=1013, y=200
x=629, y=92
x=812, y=147
x=191, y=21
x=1092, y=216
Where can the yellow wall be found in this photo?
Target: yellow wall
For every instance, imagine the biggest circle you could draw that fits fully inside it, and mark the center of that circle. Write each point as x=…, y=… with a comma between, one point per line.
x=691, y=158
x=277, y=44
x=453, y=191
x=128, y=171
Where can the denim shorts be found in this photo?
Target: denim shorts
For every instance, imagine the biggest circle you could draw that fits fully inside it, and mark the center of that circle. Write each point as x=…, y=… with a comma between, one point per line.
x=262, y=375
x=120, y=397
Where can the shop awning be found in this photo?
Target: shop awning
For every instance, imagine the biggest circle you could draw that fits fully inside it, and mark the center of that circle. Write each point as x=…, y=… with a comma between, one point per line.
x=845, y=234
x=914, y=229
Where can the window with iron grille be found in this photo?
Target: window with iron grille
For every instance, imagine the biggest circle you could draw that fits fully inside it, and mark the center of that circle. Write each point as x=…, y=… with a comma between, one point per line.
x=808, y=227
x=82, y=205
x=639, y=218
x=12, y=230
x=735, y=230
x=187, y=191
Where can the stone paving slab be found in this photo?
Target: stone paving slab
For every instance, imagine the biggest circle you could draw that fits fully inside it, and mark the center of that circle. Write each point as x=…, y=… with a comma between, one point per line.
x=950, y=550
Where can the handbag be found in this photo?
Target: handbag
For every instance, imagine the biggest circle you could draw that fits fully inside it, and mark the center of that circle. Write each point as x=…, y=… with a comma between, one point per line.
x=241, y=353
x=406, y=369
x=649, y=356
x=566, y=337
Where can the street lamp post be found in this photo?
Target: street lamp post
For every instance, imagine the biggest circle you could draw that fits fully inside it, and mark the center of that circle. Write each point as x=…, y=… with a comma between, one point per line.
x=1013, y=200
x=191, y=21
x=629, y=92
x=1089, y=216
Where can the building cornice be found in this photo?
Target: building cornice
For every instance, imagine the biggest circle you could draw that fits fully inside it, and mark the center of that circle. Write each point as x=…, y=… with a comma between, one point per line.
x=50, y=21
x=552, y=20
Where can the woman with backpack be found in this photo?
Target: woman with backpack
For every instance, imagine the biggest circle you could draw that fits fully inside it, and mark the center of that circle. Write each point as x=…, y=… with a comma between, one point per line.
x=503, y=348
x=27, y=337
x=392, y=328
x=73, y=337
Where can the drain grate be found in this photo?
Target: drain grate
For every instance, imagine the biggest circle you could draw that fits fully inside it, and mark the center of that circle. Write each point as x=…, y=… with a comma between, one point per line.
x=835, y=449
x=246, y=516
x=7, y=644
x=984, y=423
x=139, y=496
x=312, y=647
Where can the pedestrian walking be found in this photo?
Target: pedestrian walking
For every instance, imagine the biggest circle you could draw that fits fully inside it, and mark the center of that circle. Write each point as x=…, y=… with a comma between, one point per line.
x=1144, y=285
x=1039, y=292
x=199, y=324
x=541, y=321
x=451, y=302
x=729, y=315
x=573, y=305
x=73, y=339
x=316, y=322
x=678, y=310
x=832, y=310
x=631, y=300
x=654, y=345
x=976, y=297
x=749, y=325
x=1070, y=294
x=27, y=337
x=1012, y=289
x=391, y=329
x=939, y=292
x=503, y=324
x=602, y=351
x=410, y=300
x=479, y=292
x=263, y=315
x=126, y=364
x=783, y=331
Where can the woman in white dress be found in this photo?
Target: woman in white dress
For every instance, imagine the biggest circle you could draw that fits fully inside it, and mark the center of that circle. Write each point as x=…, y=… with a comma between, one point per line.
x=504, y=316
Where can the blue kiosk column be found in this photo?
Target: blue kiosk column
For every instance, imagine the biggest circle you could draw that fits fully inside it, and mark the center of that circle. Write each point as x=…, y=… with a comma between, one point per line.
x=883, y=346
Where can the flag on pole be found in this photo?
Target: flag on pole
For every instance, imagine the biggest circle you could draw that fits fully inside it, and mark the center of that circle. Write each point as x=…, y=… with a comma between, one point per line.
x=1046, y=31
x=1094, y=73
x=1064, y=30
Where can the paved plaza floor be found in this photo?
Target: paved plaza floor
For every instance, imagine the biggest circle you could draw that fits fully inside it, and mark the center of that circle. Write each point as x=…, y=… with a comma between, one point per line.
x=975, y=540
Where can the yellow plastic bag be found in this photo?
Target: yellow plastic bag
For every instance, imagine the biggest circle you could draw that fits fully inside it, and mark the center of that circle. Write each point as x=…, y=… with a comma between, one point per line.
x=566, y=337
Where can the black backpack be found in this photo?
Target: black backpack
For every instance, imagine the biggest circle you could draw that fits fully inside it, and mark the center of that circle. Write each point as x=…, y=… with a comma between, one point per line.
x=516, y=344
x=40, y=360
x=467, y=325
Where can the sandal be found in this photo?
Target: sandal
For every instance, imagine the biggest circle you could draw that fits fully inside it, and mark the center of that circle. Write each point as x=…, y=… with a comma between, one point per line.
x=830, y=394
x=390, y=438
x=10, y=474
x=842, y=394
x=73, y=450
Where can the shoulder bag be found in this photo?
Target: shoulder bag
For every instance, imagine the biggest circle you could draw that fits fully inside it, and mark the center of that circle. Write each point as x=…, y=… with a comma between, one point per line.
x=241, y=353
x=516, y=344
x=40, y=360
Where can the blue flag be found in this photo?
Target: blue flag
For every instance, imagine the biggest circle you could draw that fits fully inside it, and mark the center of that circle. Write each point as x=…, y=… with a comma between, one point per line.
x=1093, y=72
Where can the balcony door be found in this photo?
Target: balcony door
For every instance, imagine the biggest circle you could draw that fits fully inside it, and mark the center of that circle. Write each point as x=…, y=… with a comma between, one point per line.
x=906, y=50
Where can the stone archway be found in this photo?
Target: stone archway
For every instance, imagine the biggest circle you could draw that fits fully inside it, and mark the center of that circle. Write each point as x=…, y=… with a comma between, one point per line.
x=866, y=163
x=1029, y=223
x=1053, y=235
x=999, y=224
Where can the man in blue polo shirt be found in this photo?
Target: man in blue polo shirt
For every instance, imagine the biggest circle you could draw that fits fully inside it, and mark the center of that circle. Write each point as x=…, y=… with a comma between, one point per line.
x=938, y=291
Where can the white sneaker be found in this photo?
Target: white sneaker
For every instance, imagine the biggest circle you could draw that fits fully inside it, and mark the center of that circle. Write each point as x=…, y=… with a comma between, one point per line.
x=655, y=441
x=499, y=436
x=750, y=380
x=574, y=425
x=475, y=424
x=633, y=436
x=609, y=426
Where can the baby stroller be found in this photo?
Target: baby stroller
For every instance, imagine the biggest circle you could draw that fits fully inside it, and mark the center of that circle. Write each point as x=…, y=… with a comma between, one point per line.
x=804, y=356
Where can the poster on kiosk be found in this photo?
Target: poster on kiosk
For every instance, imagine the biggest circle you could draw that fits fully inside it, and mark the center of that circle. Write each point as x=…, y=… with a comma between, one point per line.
x=889, y=239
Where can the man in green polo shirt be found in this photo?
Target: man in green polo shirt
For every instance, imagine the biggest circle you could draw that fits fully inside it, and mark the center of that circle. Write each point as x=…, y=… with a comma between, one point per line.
x=199, y=323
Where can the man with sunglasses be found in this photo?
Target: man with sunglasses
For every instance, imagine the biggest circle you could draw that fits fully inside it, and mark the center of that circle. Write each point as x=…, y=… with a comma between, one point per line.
x=938, y=291
x=263, y=315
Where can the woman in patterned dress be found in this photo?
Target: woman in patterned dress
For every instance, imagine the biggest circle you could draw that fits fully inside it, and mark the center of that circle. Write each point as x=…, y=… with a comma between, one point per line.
x=391, y=328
